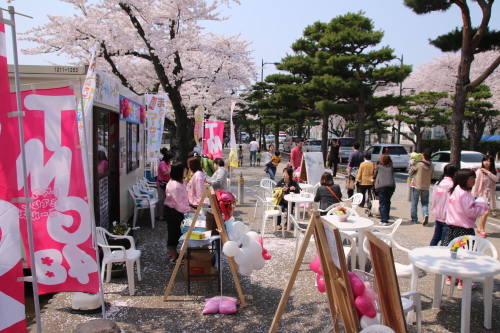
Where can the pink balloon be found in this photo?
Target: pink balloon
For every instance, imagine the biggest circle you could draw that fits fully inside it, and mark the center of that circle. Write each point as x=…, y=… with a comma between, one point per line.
x=315, y=266
x=266, y=256
x=368, y=285
x=264, y=251
x=357, y=285
x=371, y=295
x=365, y=306
x=261, y=241
x=320, y=281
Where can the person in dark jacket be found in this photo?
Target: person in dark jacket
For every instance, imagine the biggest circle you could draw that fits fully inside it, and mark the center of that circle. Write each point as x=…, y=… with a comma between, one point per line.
x=328, y=193
x=384, y=186
x=334, y=157
x=288, y=186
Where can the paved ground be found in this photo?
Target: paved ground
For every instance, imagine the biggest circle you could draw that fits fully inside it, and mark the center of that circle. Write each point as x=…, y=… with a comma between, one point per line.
x=307, y=309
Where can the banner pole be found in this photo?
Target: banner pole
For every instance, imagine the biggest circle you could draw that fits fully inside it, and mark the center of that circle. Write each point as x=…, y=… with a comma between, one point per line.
x=90, y=199
x=25, y=175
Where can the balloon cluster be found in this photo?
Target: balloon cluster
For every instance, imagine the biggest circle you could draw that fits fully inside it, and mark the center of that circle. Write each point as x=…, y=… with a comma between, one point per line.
x=364, y=296
x=244, y=246
x=315, y=266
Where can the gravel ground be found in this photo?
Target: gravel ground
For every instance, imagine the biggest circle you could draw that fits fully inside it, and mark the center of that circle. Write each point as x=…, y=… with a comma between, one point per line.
x=307, y=309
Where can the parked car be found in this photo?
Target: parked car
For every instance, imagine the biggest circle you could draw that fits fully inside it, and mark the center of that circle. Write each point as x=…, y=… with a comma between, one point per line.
x=311, y=145
x=289, y=143
x=269, y=139
x=244, y=137
x=346, y=144
x=398, y=154
x=468, y=159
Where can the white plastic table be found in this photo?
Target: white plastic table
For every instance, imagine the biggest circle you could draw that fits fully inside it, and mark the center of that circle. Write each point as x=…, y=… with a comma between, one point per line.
x=468, y=265
x=297, y=199
x=354, y=223
x=306, y=187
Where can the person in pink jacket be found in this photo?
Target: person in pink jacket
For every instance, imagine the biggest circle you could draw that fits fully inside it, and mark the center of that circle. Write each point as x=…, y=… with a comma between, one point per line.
x=485, y=188
x=175, y=206
x=196, y=184
x=440, y=197
x=463, y=210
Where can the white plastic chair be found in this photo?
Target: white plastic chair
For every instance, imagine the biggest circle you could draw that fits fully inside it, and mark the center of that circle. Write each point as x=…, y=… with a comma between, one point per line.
x=389, y=229
x=401, y=269
x=409, y=304
x=327, y=209
x=263, y=198
x=349, y=249
x=150, y=184
x=144, y=188
x=130, y=256
x=355, y=200
x=143, y=201
x=272, y=211
x=301, y=227
x=268, y=183
x=475, y=244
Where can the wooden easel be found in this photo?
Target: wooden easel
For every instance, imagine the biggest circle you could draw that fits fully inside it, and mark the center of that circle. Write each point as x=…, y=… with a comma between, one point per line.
x=386, y=281
x=208, y=193
x=337, y=283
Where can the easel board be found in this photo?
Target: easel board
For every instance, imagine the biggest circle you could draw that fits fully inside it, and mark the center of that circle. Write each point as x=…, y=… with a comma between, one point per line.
x=214, y=204
x=386, y=281
x=337, y=283
x=313, y=167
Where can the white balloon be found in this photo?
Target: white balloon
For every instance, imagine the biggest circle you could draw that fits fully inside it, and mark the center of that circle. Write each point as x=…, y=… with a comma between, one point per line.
x=239, y=226
x=231, y=249
x=258, y=263
x=247, y=229
x=367, y=321
x=245, y=270
x=234, y=235
x=244, y=240
x=242, y=258
x=253, y=236
x=256, y=249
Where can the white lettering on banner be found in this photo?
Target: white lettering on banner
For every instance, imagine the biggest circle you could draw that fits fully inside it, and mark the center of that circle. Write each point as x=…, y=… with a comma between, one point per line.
x=214, y=142
x=9, y=236
x=50, y=184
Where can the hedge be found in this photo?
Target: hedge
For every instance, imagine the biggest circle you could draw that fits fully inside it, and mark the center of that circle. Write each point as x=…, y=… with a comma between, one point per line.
x=493, y=147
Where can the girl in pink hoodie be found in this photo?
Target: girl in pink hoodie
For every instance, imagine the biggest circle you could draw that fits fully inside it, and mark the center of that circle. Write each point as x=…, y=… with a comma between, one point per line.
x=440, y=198
x=485, y=188
x=462, y=207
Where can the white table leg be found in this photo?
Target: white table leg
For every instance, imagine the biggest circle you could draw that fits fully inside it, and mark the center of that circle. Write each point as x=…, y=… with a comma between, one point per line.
x=413, y=287
x=361, y=252
x=438, y=291
x=488, y=300
x=297, y=217
x=466, y=299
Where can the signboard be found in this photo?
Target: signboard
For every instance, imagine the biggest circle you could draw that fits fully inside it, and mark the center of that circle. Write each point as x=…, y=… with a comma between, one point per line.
x=214, y=131
x=156, y=111
x=313, y=166
x=103, y=202
x=131, y=111
x=107, y=90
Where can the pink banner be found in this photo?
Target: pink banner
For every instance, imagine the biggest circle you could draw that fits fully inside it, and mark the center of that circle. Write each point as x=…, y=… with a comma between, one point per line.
x=12, y=318
x=214, y=131
x=64, y=257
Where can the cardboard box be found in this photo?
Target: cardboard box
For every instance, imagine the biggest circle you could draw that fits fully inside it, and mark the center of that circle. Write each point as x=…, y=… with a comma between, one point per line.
x=199, y=263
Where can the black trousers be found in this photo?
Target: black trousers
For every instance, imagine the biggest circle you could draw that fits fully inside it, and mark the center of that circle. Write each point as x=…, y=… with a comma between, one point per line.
x=174, y=220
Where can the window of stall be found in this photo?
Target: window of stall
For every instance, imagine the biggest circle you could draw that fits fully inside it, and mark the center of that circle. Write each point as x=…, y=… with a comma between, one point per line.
x=133, y=148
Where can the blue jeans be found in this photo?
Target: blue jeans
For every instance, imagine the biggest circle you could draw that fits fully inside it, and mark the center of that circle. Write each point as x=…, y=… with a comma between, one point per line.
x=272, y=172
x=384, y=199
x=416, y=194
x=253, y=155
x=440, y=230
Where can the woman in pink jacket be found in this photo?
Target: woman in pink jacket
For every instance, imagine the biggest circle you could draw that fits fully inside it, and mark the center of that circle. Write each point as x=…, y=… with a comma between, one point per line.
x=176, y=205
x=485, y=188
x=462, y=207
x=196, y=184
x=440, y=197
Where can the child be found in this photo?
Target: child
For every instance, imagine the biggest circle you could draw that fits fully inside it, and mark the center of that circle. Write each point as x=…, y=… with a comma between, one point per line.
x=258, y=155
x=240, y=156
x=275, y=159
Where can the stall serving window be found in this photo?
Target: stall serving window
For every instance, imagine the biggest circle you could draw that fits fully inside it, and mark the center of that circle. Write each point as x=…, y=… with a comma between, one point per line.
x=133, y=148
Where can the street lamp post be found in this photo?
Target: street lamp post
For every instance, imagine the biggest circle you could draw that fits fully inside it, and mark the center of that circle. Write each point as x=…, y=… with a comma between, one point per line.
x=262, y=68
x=412, y=91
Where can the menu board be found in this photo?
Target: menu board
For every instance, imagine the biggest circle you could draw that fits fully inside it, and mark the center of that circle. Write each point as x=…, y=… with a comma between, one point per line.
x=103, y=202
x=314, y=166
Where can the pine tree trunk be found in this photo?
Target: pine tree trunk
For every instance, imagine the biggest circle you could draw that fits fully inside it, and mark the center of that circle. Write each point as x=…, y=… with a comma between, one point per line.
x=457, y=126
x=324, y=136
x=360, y=135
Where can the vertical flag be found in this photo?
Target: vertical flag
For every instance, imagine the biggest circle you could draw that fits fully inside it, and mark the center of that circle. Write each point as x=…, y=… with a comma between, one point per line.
x=214, y=131
x=155, y=118
x=87, y=92
x=62, y=229
x=12, y=317
x=233, y=153
x=198, y=127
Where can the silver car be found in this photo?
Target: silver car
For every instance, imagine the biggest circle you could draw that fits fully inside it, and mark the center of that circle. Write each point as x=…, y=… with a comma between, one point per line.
x=398, y=154
x=468, y=159
x=311, y=145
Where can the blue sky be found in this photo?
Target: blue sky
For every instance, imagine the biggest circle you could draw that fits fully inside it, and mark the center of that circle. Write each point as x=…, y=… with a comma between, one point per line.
x=273, y=25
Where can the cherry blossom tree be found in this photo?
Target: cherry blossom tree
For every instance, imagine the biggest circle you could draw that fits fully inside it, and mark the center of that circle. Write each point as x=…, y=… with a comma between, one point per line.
x=157, y=46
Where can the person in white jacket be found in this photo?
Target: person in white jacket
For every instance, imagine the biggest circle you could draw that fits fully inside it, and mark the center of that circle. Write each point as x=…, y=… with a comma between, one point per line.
x=440, y=197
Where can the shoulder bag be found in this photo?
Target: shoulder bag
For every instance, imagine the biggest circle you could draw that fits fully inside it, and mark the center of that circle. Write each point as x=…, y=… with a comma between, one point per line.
x=336, y=197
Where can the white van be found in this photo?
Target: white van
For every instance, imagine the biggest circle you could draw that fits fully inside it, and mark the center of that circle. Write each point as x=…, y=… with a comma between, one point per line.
x=398, y=154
